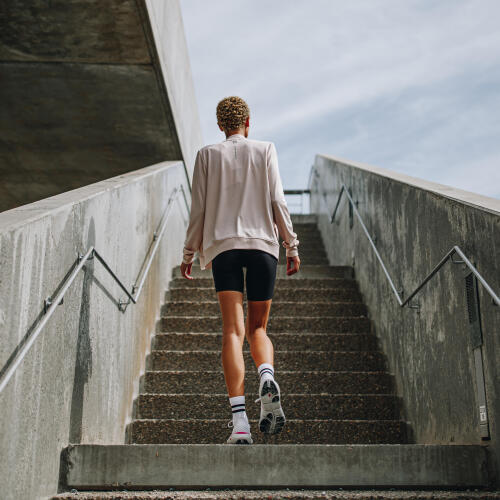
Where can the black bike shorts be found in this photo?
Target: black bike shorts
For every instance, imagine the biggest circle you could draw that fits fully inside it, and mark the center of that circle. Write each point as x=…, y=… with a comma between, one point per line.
x=227, y=270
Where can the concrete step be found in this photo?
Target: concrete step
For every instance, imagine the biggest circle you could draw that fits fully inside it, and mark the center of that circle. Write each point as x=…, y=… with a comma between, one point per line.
x=216, y=431
x=313, y=255
x=310, y=250
x=306, y=271
x=278, y=308
x=305, y=232
x=163, y=466
x=285, y=282
x=307, y=259
x=301, y=226
x=284, y=360
x=314, y=242
x=295, y=294
x=297, y=382
x=309, y=219
x=286, y=494
x=295, y=406
x=182, y=341
x=277, y=324
x=309, y=245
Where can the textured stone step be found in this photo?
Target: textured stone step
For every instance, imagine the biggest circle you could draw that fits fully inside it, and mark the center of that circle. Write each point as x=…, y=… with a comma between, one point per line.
x=215, y=431
x=278, y=308
x=312, y=252
x=285, y=494
x=306, y=271
x=294, y=466
x=295, y=294
x=301, y=382
x=288, y=281
x=300, y=218
x=306, y=234
x=313, y=242
x=312, y=324
x=283, y=360
x=295, y=406
x=299, y=226
x=306, y=259
x=182, y=341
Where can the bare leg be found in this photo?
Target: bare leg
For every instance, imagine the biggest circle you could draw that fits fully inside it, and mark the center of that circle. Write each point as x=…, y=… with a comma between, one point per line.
x=233, y=335
x=272, y=418
x=261, y=347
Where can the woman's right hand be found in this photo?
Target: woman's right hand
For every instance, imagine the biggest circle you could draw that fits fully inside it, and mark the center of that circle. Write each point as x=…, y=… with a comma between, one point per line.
x=296, y=265
x=186, y=270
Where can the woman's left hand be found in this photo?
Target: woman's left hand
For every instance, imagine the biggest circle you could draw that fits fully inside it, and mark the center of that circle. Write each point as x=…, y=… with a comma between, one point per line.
x=186, y=270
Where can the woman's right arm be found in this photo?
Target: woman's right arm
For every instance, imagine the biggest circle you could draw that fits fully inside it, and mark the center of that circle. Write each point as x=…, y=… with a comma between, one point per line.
x=280, y=208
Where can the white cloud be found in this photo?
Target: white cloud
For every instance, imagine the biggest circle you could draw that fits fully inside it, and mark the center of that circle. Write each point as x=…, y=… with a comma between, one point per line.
x=404, y=85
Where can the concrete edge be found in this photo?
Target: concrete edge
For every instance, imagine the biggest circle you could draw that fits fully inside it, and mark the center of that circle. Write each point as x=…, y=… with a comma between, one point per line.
x=31, y=212
x=220, y=465
x=466, y=197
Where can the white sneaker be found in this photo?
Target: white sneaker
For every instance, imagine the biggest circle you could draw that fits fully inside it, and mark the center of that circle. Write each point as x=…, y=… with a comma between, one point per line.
x=272, y=418
x=241, y=433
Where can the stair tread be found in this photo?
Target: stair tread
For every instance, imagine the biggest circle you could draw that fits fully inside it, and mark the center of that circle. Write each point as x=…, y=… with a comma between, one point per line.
x=289, y=420
x=283, y=334
x=276, y=351
x=284, y=494
x=296, y=431
x=293, y=465
x=281, y=371
x=223, y=395
x=275, y=317
x=293, y=302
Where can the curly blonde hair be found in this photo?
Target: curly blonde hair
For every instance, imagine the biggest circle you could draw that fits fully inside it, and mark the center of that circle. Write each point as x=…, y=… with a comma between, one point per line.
x=232, y=113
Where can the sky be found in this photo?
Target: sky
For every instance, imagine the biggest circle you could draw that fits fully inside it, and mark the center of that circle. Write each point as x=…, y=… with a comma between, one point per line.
x=408, y=85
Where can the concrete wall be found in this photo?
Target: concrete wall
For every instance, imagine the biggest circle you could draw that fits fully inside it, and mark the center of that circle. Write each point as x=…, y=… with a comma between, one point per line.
x=88, y=92
x=416, y=223
x=171, y=48
x=78, y=382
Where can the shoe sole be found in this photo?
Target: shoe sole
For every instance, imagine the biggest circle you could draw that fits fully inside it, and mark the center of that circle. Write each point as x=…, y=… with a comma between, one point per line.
x=272, y=416
x=240, y=441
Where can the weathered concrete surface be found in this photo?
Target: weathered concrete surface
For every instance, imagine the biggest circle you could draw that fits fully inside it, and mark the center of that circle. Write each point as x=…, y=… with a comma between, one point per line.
x=89, y=93
x=172, y=52
x=78, y=382
x=219, y=465
x=302, y=494
x=429, y=353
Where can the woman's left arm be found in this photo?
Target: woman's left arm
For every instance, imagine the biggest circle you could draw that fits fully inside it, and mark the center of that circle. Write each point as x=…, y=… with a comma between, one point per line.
x=194, y=233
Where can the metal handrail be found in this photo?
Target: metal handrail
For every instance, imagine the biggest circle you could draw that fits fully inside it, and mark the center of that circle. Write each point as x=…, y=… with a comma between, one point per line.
x=449, y=256
x=477, y=347
x=51, y=304
x=300, y=192
x=297, y=191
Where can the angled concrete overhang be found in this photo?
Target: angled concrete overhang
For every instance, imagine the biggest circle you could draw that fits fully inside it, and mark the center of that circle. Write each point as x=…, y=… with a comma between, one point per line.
x=90, y=90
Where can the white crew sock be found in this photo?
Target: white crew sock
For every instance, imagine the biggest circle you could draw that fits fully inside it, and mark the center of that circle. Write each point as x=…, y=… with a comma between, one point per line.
x=266, y=371
x=238, y=408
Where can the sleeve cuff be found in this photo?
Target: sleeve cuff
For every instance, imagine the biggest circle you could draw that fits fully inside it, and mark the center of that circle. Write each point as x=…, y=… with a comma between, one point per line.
x=188, y=256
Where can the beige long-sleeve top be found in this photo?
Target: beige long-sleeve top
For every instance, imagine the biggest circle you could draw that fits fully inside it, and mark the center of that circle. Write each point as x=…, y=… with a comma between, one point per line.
x=237, y=201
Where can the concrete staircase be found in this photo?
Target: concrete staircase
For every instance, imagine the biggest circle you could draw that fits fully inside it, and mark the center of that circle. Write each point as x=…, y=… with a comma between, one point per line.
x=344, y=425
x=333, y=377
